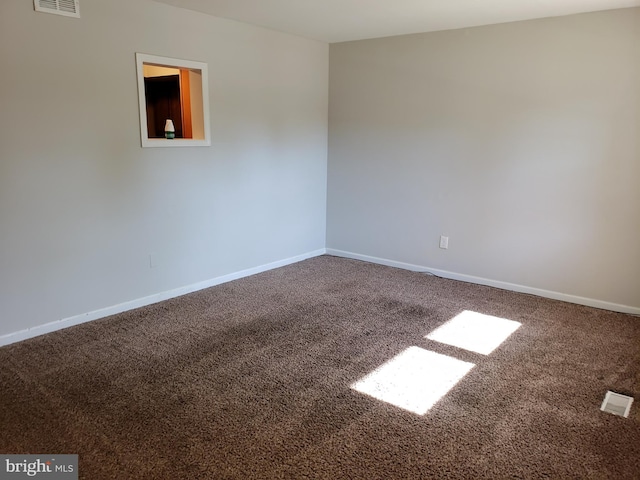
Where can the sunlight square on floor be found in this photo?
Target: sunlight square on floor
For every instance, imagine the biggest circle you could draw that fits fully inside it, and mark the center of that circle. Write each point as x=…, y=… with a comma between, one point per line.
x=475, y=332
x=414, y=380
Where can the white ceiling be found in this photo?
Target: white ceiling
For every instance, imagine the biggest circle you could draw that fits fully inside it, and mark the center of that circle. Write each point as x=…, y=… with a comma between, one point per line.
x=342, y=20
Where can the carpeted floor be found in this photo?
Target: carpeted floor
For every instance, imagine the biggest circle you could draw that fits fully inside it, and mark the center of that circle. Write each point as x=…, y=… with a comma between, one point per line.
x=251, y=380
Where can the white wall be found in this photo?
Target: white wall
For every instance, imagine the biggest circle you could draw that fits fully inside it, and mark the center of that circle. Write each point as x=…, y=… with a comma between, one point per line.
x=518, y=141
x=82, y=205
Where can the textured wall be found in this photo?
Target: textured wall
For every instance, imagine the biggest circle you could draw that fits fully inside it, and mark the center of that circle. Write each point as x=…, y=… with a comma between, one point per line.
x=518, y=141
x=82, y=205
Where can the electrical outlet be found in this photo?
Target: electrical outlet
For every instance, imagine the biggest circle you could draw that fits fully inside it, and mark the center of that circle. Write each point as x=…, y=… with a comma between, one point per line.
x=444, y=242
x=153, y=260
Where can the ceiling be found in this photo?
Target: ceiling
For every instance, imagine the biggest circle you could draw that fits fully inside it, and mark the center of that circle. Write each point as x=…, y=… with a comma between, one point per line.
x=343, y=20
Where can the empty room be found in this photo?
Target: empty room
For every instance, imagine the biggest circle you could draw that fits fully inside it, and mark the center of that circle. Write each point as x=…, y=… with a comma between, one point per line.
x=260, y=239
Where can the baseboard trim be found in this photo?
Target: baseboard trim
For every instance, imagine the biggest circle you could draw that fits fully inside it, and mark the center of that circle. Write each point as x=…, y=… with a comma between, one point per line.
x=36, y=331
x=148, y=300
x=590, y=302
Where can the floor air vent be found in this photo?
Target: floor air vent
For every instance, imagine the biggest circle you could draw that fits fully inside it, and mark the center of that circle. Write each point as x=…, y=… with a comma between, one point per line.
x=617, y=404
x=69, y=8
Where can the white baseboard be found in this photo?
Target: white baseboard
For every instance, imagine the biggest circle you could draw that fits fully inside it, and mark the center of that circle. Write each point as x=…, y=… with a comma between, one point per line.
x=141, y=302
x=159, y=297
x=492, y=283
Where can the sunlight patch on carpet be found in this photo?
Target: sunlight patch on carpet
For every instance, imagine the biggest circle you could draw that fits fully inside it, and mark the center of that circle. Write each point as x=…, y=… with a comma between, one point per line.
x=413, y=380
x=475, y=332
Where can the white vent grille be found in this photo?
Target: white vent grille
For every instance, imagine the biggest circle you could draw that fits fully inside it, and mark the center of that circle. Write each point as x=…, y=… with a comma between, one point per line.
x=617, y=404
x=69, y=8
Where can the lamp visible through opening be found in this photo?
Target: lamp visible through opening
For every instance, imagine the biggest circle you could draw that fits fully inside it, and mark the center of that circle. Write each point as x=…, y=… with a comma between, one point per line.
x=169, y=129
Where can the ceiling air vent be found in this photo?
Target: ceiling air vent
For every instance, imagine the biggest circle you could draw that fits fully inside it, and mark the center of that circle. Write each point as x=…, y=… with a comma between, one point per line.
x=69, y=8
x=616, y=404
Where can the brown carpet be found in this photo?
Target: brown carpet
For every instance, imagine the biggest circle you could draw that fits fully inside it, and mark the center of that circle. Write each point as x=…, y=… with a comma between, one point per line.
x=251, y=379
